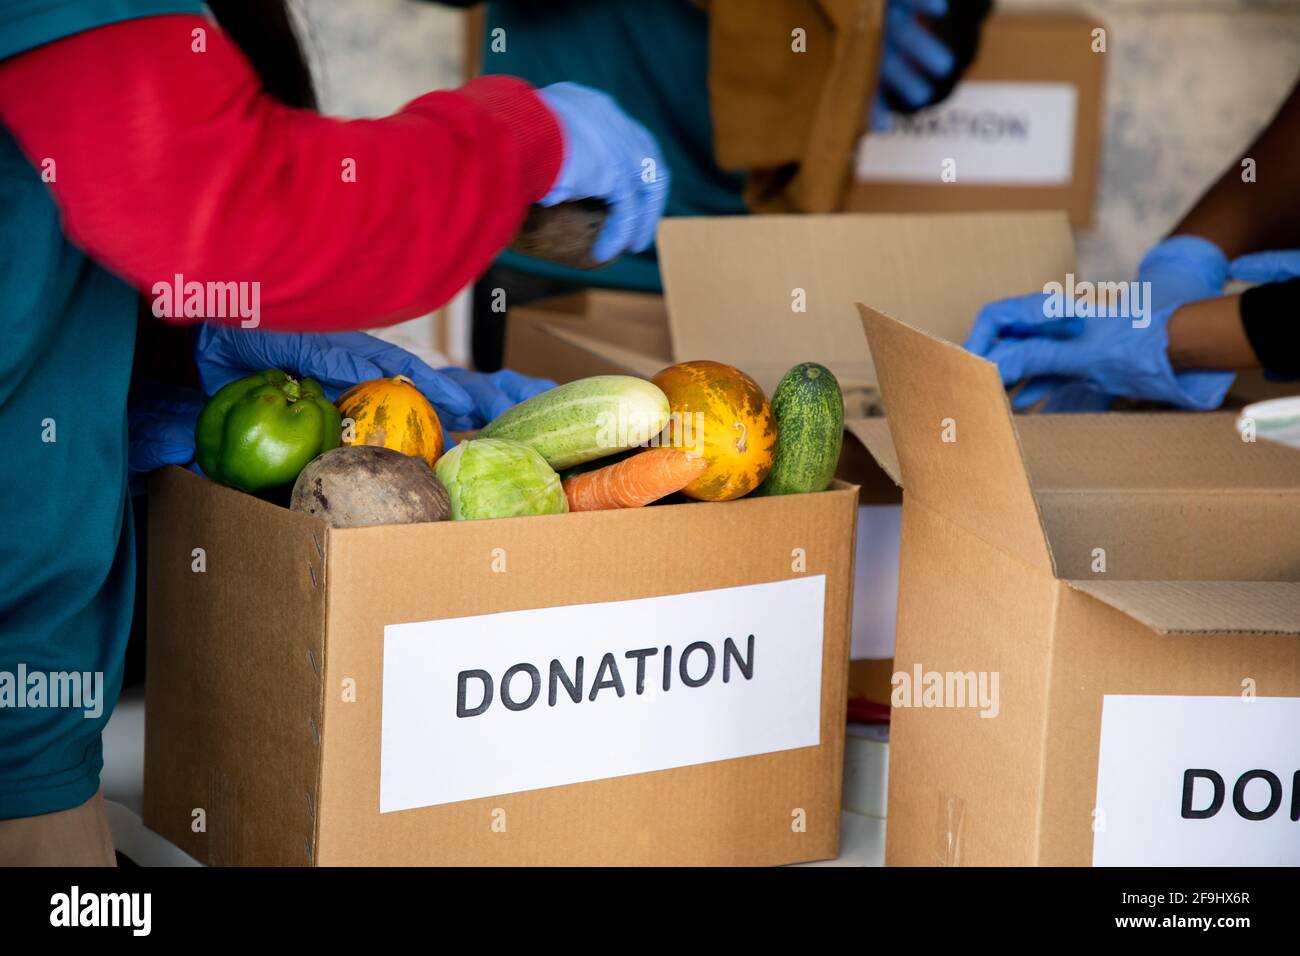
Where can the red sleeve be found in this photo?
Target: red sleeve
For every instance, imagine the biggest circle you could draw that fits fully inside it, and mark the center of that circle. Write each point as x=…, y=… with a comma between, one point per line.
x=169, y=161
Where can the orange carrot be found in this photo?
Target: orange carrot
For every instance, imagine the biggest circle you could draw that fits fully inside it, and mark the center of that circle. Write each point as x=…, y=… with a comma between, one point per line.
x=645, y=477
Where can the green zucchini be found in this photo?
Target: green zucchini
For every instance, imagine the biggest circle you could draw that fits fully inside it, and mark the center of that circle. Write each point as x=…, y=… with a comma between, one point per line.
x=585, y=420
x=809, y=410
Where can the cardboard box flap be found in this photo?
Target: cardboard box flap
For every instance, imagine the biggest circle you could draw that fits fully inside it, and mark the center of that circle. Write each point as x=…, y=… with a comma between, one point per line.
x=951, y=424
x=638, y=320
x=765, y=292
x=875, y=438
x=635, y=361
x=1163, y=451
x=1203, y=607
x=643, y=308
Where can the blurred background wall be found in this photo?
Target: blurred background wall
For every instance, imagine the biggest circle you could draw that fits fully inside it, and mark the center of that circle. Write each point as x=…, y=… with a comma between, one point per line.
x=1189, y=83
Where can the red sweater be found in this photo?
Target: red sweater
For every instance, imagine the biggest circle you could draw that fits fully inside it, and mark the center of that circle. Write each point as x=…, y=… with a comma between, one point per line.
x=169, y=161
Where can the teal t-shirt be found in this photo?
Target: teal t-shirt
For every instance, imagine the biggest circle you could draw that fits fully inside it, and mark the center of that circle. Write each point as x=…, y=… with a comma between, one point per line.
x=67, y=553
x=652, y=56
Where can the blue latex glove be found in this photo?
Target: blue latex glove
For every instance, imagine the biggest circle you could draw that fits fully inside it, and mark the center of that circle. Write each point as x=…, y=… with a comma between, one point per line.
x=1111, y=354
x=160, y=429
x=1183, y=269
x=911, y=57
x=464, y=400
x=1261, y=267
x=1180, y=269
x=496, y=392
x=338, y=360
x=605, y=154
x=1062, y=395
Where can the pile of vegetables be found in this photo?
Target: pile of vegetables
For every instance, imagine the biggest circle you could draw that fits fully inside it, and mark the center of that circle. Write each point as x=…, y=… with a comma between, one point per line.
x=702, y=430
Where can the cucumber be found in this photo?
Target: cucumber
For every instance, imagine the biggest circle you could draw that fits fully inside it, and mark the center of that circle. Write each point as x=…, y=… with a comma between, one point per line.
x=809, y=412
x=585, y=420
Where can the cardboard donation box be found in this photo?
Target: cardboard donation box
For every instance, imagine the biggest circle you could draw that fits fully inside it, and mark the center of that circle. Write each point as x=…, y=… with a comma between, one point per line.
x=1098, y=656
x=596, y=332
x=766, y=292
x=662, y=685
x=1021, y=131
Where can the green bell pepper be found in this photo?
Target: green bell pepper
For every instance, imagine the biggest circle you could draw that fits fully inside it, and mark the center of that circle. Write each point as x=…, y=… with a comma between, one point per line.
x=259, y=432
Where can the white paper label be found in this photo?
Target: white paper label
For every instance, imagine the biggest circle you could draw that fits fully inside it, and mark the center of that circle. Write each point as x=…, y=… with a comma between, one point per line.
x=985, y=133
x=665, y=682
x=1198, y=781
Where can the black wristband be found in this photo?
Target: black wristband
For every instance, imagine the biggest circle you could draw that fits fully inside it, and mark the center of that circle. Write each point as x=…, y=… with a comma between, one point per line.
x=1270, y=316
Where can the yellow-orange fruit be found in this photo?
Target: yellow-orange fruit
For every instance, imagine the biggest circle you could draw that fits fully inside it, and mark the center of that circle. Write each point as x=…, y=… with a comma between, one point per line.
x=392, y=413
x=720, y=412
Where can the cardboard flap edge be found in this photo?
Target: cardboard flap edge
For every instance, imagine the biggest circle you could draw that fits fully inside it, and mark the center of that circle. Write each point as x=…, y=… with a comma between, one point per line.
x=1203, y=607
x=731, y=283
x=874, y=435
x=956, y=442
x=232, y=498
x=638, y=363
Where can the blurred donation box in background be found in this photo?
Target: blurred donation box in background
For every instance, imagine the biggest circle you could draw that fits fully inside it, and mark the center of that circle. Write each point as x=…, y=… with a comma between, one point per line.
x=1021, y=131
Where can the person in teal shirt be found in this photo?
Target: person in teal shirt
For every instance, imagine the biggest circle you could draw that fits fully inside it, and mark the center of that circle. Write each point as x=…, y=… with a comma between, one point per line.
x=67, y=565
x=106, y=106
x=652, y=56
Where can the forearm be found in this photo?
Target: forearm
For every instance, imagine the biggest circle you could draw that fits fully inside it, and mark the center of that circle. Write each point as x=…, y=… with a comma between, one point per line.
x=1208, y=334
x=1258, y=328
x=175, y=162
x=1242, y=216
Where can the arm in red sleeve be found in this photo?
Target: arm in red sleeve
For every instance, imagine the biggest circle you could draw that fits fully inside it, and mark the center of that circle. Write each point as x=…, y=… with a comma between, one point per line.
x=169, y=161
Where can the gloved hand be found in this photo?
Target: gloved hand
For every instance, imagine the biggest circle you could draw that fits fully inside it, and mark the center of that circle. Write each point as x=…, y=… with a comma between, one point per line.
x=1114, y=355
x=160, y=428
x=912, y=58
x=463, y=399
x=1258, y=268
x=605, y=153
x=1183, y=269
x=338, y=360
x=1179, y=269
x=496, y=392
